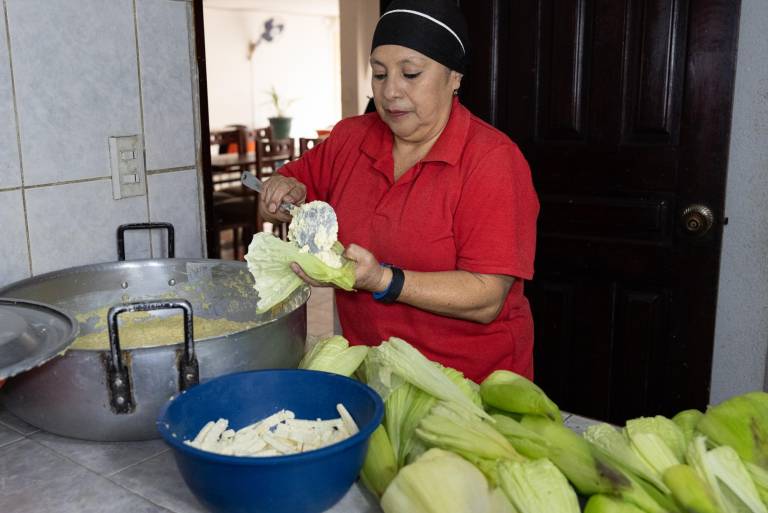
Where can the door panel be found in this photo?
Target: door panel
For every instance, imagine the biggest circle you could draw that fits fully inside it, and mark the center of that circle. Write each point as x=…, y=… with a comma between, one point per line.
x=655, y=69
x=622, y=108
x=562, y=65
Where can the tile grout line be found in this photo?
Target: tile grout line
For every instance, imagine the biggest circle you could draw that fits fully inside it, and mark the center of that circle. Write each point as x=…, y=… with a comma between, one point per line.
x=103, y=476
x=11, y=442
x=5, y=424
x=137, y=494
x=111, y=479
x=18, y=135
x=161, y=171
x=95, y=179
x=194, y=77
x=109, y=475
x=141, y=119
x=67, y=182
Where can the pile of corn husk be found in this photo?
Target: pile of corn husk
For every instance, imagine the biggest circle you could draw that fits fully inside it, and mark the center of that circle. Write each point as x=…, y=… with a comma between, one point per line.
x=448, y=444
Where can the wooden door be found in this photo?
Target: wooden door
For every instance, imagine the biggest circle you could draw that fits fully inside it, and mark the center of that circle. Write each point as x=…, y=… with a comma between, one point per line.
x=623, y=110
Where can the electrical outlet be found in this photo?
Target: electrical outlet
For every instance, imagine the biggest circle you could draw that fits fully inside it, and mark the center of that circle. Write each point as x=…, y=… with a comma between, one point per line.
x=126, y=159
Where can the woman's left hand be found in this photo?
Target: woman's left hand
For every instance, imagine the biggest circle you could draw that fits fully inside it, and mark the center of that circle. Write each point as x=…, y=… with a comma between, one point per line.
x=369, y=274
x=304, y=276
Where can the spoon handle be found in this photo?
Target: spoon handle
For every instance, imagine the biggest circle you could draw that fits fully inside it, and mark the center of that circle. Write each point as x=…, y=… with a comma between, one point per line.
x=249, y=180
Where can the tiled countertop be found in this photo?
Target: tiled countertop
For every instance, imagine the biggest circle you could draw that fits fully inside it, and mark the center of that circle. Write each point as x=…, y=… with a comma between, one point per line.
x=42, y=473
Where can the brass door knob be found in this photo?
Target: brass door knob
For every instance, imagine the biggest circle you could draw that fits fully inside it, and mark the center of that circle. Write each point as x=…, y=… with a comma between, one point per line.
x=697, y=219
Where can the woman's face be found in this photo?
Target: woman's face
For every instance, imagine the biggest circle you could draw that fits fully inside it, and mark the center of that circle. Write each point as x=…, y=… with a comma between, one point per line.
x=413, y=93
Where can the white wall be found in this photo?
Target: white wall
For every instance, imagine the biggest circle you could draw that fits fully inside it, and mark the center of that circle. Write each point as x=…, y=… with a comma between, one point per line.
x=302, y=62
x=358, y=21
x=741, y=335
x=73, y=73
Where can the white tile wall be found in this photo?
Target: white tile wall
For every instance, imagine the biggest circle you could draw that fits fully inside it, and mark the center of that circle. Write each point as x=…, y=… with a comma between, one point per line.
x=76, y=71
x=165, y=84
x=76, y=74
x=76, y=224
x=173, y=198
x=10, y=174
x=14, y=257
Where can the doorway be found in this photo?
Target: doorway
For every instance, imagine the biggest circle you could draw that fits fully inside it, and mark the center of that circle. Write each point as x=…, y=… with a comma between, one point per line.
x=262, y=58
x=623, y=109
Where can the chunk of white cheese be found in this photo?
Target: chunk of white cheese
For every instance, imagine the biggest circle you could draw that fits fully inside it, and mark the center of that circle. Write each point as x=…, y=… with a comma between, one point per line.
x=279, y=434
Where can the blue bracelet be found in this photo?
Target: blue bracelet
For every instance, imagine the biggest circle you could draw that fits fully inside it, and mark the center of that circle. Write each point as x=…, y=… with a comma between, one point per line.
x=395, y=287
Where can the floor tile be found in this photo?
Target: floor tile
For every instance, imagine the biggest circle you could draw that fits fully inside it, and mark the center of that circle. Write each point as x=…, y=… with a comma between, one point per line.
x=357, y=500
x=10, y=420
x=102, y=457
x=8, y=435
x=37, y=480
x=159, y=481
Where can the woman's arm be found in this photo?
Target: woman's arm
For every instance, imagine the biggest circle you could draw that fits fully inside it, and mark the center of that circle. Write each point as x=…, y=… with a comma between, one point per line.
x=459, y=294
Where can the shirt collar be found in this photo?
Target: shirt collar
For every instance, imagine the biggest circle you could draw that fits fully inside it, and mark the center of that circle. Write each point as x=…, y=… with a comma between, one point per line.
x=450, y=144
x=447, y=148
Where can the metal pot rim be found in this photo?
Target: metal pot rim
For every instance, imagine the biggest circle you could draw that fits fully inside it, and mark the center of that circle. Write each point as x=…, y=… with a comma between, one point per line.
x=117, y=264
x=143, y=263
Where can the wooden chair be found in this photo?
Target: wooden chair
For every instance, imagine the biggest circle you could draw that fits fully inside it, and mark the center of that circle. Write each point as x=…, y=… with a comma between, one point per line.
x=235, y=207
x=264, y=133
x=230, y=140
x=307, y=143
x=272, y=154
x=238, y=215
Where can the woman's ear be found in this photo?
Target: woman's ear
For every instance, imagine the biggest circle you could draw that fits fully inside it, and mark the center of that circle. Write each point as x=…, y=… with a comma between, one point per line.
x=455, y=79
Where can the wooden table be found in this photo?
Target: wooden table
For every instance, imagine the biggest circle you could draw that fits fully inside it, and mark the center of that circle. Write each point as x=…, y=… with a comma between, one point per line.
x=227, y=168
x=228, y=162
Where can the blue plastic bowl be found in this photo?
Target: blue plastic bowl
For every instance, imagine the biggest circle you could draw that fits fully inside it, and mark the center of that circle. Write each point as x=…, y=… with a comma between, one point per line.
x=309, y=482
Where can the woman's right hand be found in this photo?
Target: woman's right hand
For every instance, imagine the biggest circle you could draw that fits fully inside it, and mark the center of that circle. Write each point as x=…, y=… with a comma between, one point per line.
x=279, y=189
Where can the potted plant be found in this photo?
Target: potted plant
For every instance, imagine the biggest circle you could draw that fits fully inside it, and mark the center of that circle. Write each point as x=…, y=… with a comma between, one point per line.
x=280, y=123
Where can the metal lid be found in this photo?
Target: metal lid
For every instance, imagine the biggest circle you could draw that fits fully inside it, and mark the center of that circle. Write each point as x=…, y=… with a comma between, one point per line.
x=31, y=333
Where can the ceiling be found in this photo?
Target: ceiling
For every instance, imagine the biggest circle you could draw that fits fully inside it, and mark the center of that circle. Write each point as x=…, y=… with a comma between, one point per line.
x=314, y=7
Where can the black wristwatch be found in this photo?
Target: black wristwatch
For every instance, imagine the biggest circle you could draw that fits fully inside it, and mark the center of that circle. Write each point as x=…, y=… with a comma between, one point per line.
x=392, y=292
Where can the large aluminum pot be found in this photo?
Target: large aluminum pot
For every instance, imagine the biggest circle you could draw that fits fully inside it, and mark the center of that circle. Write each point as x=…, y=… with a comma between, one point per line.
x=83, y=393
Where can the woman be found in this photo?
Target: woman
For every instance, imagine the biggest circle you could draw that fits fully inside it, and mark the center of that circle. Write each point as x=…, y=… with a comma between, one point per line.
x=440, y=196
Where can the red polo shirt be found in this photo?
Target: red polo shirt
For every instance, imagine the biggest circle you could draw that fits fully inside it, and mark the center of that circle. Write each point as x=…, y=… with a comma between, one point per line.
x=468, y=205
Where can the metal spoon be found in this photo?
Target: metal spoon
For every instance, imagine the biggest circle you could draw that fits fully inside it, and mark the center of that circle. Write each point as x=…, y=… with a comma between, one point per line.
x=308, y=219
x=250, y=181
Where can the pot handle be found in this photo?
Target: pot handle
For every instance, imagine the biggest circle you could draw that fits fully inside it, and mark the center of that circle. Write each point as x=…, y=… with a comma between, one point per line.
x=144, y=226
x=118, y=378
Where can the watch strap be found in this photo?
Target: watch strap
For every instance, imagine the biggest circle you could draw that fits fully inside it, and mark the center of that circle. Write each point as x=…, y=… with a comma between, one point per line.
x=395, y=287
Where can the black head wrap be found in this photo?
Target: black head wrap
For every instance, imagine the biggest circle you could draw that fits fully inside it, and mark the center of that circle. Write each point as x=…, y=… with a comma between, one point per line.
x=435, y=28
